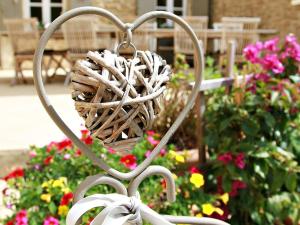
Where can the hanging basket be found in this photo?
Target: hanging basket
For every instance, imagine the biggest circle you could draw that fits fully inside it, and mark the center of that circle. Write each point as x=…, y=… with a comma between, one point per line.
x=117, y=97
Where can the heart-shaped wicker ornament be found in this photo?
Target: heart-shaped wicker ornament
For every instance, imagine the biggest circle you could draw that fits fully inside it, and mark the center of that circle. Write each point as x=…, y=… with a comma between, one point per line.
x=119, y=98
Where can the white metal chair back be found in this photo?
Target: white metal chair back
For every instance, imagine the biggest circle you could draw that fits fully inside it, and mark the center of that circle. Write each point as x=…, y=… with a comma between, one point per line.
x=24, y=35
x=182, y=44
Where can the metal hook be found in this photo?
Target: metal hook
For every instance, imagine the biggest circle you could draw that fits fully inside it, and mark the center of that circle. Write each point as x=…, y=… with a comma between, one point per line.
x=154, y=170
x=128, y=35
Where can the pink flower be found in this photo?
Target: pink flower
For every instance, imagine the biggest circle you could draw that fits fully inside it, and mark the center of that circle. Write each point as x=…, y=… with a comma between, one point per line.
x=67, y=156
x=147, y=154
x=51, y=221
x=251, y=53
x=111, y=150
x=271, y=62
x=262, y=77
x=239, y=160
x=271, y=45
x=129, y=161
x=236, y=185
x=150, y=132
x=290, y=39
x=163, y=152
x=21, y=218
x=225, y=158
x=32, y=154
x=194, y=169
x=152, y=141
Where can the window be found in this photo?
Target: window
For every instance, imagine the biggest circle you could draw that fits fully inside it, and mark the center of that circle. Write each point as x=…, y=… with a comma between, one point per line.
x=177, y=7
x=295, y=2
x=45, y=10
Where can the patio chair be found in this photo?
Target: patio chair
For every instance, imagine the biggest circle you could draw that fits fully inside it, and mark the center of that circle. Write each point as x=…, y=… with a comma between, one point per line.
x=183, y=44
x=81, y=35
x=224, y=27
x=24, y=36
x=249, y=23
x=241, y=38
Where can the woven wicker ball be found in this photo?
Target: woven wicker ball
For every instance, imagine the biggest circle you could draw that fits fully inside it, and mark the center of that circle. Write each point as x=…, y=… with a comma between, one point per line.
x=119, y=98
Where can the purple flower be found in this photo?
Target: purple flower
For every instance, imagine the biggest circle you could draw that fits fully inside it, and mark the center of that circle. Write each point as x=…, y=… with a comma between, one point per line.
x=67, y=156
x=37, y=166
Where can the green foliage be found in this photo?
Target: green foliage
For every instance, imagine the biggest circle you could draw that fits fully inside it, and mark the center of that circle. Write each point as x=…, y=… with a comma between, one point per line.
x=264, y=127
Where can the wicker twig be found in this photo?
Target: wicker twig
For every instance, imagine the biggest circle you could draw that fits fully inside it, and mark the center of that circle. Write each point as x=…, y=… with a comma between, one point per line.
x=119, y=97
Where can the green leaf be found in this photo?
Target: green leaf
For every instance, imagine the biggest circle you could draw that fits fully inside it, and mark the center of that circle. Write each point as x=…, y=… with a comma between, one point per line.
x=291, y=182
x=258, y=168
x=52, y=207
x=250, y=127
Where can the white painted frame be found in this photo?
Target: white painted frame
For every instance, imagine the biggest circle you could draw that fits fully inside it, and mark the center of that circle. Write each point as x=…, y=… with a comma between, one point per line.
x=46, y=6
x=171, y=8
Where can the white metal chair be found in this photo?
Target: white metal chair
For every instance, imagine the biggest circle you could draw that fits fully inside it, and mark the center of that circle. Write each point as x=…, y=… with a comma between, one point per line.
x=182, y=44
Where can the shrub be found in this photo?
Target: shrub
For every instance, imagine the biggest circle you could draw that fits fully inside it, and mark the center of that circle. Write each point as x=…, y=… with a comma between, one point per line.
x=253, y=134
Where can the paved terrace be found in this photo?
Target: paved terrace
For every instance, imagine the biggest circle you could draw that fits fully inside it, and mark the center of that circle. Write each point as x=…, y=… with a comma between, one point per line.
x=24, y=121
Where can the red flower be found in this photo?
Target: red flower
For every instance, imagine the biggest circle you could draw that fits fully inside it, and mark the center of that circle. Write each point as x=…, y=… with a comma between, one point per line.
x=78, y=152
x=48, y=160
x=88, y=140
x=129, y=161
x=194, y=169
x=236, y=185
x=66, y=199
x=240, y=160
x=19, y=172
x=10, y=222
x=150, y=132
x=64, y=144
x=163, y=183
x=50, y=146
x=90, y=220
x=225, y=158
x=84, y=133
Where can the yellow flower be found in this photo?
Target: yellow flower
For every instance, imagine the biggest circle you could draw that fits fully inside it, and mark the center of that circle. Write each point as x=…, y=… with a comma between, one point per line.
x=209, y=209
x=63, y=210
x=174, y=176
x=224, y=198
x=45, y=184
x=197, y=179
x=59, y=183
x=66, y=190
x=179, y=158
x=199, y=215
x=46, y=197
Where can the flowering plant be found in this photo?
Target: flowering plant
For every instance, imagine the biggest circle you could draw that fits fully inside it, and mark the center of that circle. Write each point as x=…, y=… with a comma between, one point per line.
x=253, y=134
x=53, y=172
